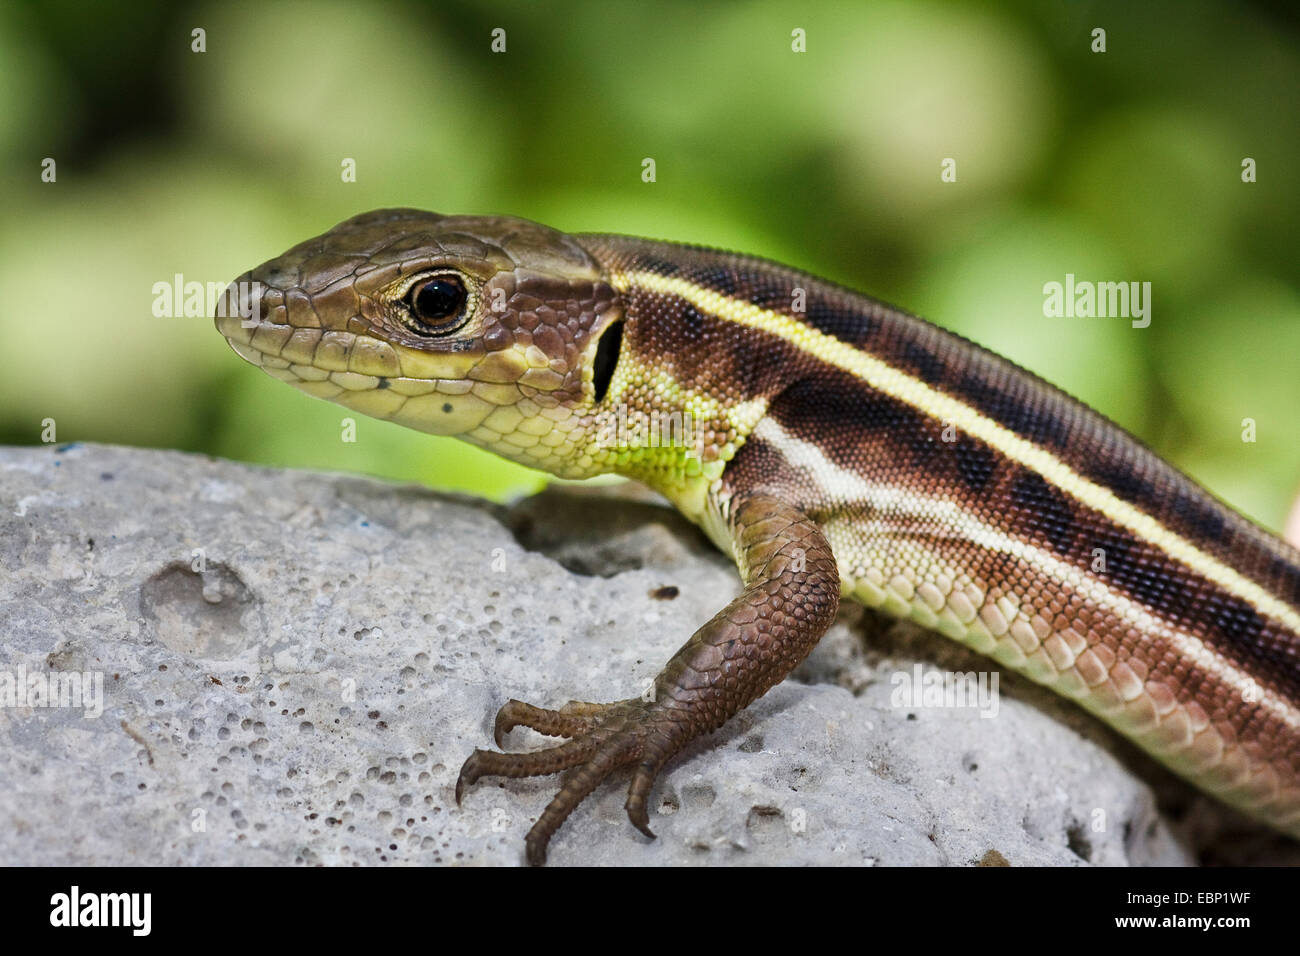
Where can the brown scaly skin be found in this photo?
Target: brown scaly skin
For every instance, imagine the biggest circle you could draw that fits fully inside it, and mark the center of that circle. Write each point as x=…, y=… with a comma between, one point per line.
x=842, y=447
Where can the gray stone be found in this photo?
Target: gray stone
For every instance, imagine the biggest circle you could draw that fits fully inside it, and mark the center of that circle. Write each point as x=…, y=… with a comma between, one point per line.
x=309, y=696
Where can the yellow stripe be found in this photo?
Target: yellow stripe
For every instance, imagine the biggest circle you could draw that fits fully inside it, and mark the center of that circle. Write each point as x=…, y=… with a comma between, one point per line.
x=891, y=502
x=889, y=380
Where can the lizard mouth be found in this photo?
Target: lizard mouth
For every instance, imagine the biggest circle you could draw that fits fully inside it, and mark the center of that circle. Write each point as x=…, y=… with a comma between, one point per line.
x=241, y=320
x=355, y=370
x=255, y=320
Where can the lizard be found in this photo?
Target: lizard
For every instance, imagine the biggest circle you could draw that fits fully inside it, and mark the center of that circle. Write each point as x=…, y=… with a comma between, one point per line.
x=838, y=448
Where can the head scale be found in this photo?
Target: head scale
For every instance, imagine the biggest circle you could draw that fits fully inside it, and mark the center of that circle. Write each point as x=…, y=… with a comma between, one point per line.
x=482, y=327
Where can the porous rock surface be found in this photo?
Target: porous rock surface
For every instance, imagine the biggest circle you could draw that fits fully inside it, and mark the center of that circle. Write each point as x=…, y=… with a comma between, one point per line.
x=295, y=664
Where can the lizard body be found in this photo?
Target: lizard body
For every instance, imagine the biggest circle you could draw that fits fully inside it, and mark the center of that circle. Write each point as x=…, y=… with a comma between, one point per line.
x=836, y=447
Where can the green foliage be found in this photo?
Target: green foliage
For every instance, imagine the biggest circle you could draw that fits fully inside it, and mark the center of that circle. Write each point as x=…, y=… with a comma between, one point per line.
x=1115, y=166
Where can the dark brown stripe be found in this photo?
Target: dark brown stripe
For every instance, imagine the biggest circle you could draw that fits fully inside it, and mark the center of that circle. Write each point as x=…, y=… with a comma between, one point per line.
x=1016, y=399
x=975, y=462
x=1203, y=610
x=1045, y=509
x=865, y=432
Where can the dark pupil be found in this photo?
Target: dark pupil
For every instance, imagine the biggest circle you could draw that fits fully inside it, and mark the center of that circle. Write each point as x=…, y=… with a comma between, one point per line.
x=438, y=299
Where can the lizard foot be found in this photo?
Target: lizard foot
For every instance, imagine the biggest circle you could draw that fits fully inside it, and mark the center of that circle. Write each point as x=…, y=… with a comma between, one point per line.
x=603, y=737
x=791, y=594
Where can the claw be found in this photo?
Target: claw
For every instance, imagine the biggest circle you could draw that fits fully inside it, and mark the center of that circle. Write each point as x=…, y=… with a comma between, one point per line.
x=603, y=737
x=535, y=848
x=507, y=720
x=636, y=812
x=469, y=773
x=638, y=792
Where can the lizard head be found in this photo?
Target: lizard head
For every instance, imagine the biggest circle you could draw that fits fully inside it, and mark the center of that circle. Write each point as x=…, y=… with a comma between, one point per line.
x=489, y=328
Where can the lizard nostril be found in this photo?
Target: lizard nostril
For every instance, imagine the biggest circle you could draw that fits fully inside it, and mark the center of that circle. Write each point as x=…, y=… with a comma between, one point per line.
x=245, y=301
x=251, y=294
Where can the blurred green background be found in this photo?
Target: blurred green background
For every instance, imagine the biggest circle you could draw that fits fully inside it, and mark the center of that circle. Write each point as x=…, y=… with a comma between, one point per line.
x=1115, y=166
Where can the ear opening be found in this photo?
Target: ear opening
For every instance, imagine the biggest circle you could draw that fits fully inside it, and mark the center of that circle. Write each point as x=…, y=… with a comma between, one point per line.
x=607, y=351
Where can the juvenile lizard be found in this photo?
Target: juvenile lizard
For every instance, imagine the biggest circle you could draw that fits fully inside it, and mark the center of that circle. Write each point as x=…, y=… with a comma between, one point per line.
x=835, y=447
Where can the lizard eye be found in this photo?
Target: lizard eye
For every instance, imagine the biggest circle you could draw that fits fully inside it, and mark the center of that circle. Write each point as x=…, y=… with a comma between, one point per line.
x=437, y=305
